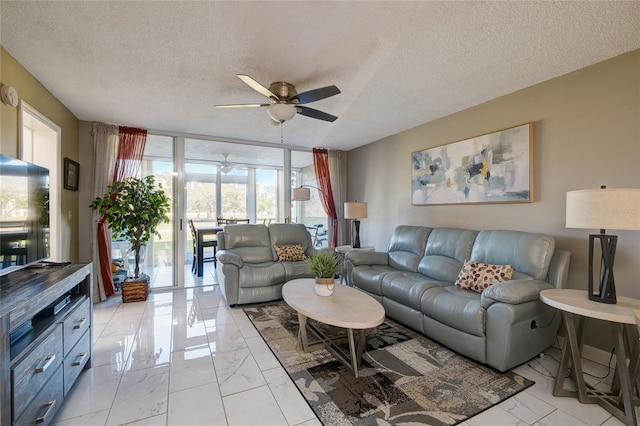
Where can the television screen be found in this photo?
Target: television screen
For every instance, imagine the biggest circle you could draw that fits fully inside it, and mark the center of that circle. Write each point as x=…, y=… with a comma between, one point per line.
x=24, y=213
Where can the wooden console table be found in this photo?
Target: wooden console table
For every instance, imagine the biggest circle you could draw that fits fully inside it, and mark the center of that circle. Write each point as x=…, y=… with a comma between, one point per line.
x=45, y=339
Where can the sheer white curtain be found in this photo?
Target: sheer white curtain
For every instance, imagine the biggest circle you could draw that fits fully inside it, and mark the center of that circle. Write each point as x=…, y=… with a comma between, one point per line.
x=105, y=146
x=337, y=163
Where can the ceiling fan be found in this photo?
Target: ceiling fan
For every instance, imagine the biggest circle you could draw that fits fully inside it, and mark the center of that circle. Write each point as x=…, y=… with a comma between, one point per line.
x=225, y=166
x=285, y=101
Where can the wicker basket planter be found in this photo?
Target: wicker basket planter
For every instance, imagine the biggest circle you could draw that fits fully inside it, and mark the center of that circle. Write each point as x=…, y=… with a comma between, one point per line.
x=135, y=289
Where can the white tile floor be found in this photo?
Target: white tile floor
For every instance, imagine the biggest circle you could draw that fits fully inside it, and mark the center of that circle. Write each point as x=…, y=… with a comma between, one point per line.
x=184, y=357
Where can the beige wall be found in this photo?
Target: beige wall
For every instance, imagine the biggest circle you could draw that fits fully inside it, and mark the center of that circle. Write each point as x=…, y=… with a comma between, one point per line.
x=35, y=94
x=587, y=133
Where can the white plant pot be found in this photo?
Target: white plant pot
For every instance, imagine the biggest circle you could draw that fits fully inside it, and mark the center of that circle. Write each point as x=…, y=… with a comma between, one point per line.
x=325, y=289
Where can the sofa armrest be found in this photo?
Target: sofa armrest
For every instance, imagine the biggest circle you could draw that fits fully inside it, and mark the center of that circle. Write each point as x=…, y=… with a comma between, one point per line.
x=229, y=257
x=361, y=257
x=559, y=268
x=513, y=292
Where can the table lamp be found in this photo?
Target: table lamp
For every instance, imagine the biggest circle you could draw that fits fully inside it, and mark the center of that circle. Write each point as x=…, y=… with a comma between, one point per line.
x=603, y=209
x=355, y=211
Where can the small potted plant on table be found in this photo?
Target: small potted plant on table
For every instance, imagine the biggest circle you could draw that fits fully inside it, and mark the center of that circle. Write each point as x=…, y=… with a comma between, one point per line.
x=325, y=266
x=134, y=208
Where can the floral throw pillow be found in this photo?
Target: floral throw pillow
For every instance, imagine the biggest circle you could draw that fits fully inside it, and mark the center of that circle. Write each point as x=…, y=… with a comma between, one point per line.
x=477, y=276
x=290, y=253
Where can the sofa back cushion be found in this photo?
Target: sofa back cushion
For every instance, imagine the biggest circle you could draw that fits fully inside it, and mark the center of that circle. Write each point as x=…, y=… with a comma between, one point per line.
x=446, y=251
x=288, y=234
x=529, y=253
x=406, y=247
x=250, y=242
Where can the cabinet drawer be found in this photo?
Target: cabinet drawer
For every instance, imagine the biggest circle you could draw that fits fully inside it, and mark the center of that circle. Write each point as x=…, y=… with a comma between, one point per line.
x=76, y=324
x=76, y=360
x=32, y=372
x=45, y=404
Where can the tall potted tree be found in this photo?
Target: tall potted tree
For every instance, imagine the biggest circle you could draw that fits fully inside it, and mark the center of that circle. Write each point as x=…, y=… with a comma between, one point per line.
x=134, y=208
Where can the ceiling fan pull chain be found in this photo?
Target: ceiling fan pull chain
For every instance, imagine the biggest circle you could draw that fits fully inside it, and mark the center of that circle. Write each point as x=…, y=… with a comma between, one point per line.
x=282, y=131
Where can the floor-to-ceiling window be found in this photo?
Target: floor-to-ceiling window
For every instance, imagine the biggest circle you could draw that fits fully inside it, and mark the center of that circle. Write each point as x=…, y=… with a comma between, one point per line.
x=267, y=195
x=233, y=181
x=159, y=262
x=40, y=144
x=235, y=202
x=310, y=213
x=218, y=179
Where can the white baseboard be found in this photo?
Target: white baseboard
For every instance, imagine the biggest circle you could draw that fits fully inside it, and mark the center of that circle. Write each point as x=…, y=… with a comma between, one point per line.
x=598, y=355
x=594, y=354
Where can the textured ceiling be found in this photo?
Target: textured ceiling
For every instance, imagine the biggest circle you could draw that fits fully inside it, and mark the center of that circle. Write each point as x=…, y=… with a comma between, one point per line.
x=163, y=65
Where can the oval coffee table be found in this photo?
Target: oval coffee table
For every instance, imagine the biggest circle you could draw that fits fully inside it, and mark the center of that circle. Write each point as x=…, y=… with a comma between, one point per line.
x=346, y=308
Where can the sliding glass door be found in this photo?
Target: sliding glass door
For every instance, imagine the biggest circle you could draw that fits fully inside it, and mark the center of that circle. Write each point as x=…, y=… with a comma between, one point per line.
x=311, y=213
x=208, y=180
x=159, y=260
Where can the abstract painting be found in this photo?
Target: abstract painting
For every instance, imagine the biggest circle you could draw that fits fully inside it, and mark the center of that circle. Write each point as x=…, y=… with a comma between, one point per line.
x=492, y=168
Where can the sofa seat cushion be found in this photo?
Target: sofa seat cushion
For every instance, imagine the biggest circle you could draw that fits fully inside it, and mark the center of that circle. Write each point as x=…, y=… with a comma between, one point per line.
x=407, y=288
x=455, y=307
x=369, y=277
x=261, y=274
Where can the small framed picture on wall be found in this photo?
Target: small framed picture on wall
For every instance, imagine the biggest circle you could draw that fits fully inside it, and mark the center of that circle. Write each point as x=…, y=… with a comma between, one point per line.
x=71, y=174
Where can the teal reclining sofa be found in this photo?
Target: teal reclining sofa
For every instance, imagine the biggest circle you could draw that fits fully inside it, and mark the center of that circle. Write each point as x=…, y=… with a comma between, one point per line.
x=502, y=326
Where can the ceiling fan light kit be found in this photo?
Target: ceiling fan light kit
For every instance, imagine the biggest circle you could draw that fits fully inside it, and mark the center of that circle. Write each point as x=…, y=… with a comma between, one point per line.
x=281, y=112
x=226, y=166
x=286, y=101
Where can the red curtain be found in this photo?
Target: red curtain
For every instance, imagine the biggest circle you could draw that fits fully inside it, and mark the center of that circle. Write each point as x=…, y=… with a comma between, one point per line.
x=321, y=166
x=130, y=151
x=105, y=259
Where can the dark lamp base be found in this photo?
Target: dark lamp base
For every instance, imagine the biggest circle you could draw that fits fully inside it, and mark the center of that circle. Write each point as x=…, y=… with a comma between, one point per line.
x=606, y=292
x=356, y=241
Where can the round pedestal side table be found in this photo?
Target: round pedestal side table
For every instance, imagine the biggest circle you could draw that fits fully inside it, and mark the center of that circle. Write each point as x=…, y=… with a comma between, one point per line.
x=576, y=308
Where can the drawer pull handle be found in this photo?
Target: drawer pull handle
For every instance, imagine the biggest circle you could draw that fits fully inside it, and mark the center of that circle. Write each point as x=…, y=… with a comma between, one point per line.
x=79, y=359
x=47, y=362
x=80, y=324
x=49, y=406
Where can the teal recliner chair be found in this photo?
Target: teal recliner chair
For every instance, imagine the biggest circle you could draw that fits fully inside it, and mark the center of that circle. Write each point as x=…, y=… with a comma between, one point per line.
x=250, y=271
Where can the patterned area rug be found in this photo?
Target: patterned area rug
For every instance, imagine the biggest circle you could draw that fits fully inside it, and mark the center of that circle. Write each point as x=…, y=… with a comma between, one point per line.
x=404, y=377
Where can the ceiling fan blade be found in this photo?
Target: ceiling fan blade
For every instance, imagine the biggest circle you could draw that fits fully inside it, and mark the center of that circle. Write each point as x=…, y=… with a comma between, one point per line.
x=242, y=106
x=314, y=113
x=315, y=94
x=249, y=81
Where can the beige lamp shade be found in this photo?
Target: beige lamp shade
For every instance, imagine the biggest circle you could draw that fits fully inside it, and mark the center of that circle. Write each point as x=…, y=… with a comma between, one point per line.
x=300, y=194
x=355, y=210
x=610, y=208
